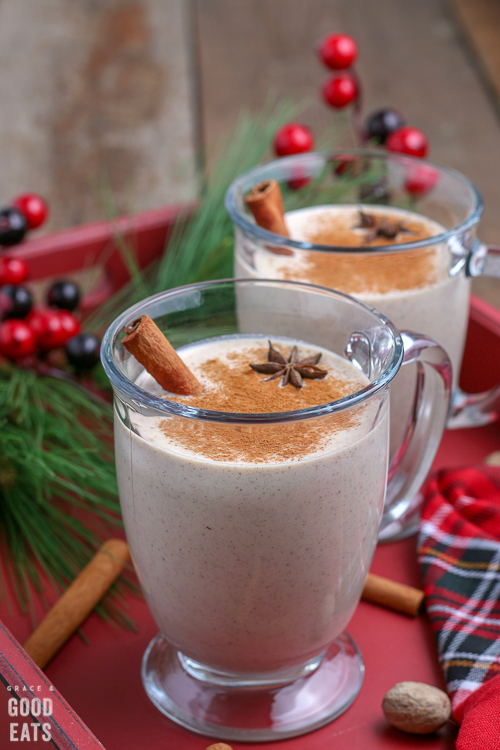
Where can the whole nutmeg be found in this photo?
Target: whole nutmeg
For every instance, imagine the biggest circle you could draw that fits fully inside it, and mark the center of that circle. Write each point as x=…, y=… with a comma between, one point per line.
x=416, y=707
x=493, y=459
x=220, y=746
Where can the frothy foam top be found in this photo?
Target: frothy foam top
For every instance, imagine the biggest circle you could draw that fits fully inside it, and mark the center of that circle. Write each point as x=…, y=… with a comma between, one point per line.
x=230, y=385
x=355, y=273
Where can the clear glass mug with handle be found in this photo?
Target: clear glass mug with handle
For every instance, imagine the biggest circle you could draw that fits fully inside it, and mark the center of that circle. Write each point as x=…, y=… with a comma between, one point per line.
x=422, y=285
x=382, y=180
x=252, y=567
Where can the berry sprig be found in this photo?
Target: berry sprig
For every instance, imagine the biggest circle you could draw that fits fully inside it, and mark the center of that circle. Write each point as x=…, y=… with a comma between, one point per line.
x=339, y=52
x=28, y=333
x=28, y=211
x=385, y=128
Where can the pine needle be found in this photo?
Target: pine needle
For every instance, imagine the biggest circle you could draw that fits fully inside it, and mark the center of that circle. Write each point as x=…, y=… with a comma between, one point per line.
x=58, y=494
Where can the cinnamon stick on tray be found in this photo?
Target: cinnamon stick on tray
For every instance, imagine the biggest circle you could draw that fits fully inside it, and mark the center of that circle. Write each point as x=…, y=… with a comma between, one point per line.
x=77, y=602
x=394, y=595
x=266, y=204
x=157, y=355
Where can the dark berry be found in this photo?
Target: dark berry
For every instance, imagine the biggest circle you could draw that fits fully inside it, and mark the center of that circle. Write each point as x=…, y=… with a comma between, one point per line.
x=338, y=51
x=12, y=270
x=17, y=340
x=409, y=141
x=59, y=326
x=293, y=138
x=383, y=122
x=33, y=207
x=421, y=180
x=64, y=294
x=13, y=226
x=83, y=351
x=17, y=301
x=340, y=90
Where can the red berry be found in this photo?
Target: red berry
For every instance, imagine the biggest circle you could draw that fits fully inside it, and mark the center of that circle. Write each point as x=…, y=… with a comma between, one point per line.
x=338, y=51
x=409, y=141
x=57, y=328
x=421, y=180
x=12, y=270
x=293, y=138
x=349, y=165
x=33, y=207
x=298, y=182
x=17, y=340
x=299, y=178
x=340, y=90
x=38, y=320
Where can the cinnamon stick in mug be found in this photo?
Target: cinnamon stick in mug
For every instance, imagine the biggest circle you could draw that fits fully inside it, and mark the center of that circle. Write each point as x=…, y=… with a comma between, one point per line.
x=266, y=204
x=157, y=355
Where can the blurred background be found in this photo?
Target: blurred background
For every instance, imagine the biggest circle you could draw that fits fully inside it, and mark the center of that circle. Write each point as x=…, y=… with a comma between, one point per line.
x=127, y=98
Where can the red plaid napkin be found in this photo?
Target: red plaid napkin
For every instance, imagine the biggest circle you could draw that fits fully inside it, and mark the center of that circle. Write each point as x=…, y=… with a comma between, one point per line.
x=459, y=552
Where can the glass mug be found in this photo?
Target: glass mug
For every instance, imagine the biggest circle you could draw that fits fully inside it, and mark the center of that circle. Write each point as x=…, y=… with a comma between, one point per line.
x=378, y=179
x=252, y=570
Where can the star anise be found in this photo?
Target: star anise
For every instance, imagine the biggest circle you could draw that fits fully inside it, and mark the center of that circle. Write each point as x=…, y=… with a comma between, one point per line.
x=290, y=370
x=379, y=226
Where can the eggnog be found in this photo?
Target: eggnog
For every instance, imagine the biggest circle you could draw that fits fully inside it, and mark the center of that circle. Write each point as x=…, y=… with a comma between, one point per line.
x=252, y=541
x=412, y=288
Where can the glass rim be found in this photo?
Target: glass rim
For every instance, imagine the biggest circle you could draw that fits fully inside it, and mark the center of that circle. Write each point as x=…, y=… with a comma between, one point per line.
x=264, y=171
x=140, y=397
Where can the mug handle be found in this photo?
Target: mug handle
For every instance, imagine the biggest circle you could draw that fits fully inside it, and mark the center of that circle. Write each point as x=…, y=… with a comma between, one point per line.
x=476, y=409
x=423, y=432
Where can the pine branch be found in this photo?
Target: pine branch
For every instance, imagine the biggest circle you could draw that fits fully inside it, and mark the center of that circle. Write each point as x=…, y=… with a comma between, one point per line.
x=58, y=494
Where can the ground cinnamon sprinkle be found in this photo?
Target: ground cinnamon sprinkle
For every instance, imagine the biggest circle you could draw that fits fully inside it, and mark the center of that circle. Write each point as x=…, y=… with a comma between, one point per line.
x=231, y=385
x=357, y=274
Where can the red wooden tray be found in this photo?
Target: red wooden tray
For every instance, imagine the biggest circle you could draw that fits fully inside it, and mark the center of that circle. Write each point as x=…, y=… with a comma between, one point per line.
x=101, y=681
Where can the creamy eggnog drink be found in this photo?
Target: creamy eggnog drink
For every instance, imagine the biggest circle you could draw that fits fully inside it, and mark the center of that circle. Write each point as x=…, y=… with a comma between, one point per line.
x=412, y=287
x=252, y=469
x=244, y=538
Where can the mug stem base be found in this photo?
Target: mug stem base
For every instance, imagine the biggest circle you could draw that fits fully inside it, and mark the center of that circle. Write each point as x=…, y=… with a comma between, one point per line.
x=252, y=710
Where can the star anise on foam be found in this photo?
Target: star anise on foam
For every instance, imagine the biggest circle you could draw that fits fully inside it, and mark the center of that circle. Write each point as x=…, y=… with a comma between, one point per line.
x=377, y=226
x=290, y=370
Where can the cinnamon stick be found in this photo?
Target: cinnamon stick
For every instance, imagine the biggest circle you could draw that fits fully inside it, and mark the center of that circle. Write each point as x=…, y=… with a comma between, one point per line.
x=266, y=204
x=77, y=602
x=157, y=355
x=394, y=595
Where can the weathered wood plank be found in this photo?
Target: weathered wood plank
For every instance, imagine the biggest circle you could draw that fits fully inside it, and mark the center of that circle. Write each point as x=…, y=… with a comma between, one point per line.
x=94, y=95
x=481, y=23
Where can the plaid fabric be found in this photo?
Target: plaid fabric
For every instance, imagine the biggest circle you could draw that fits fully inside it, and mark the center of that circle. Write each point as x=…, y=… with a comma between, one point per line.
x=459, y=553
